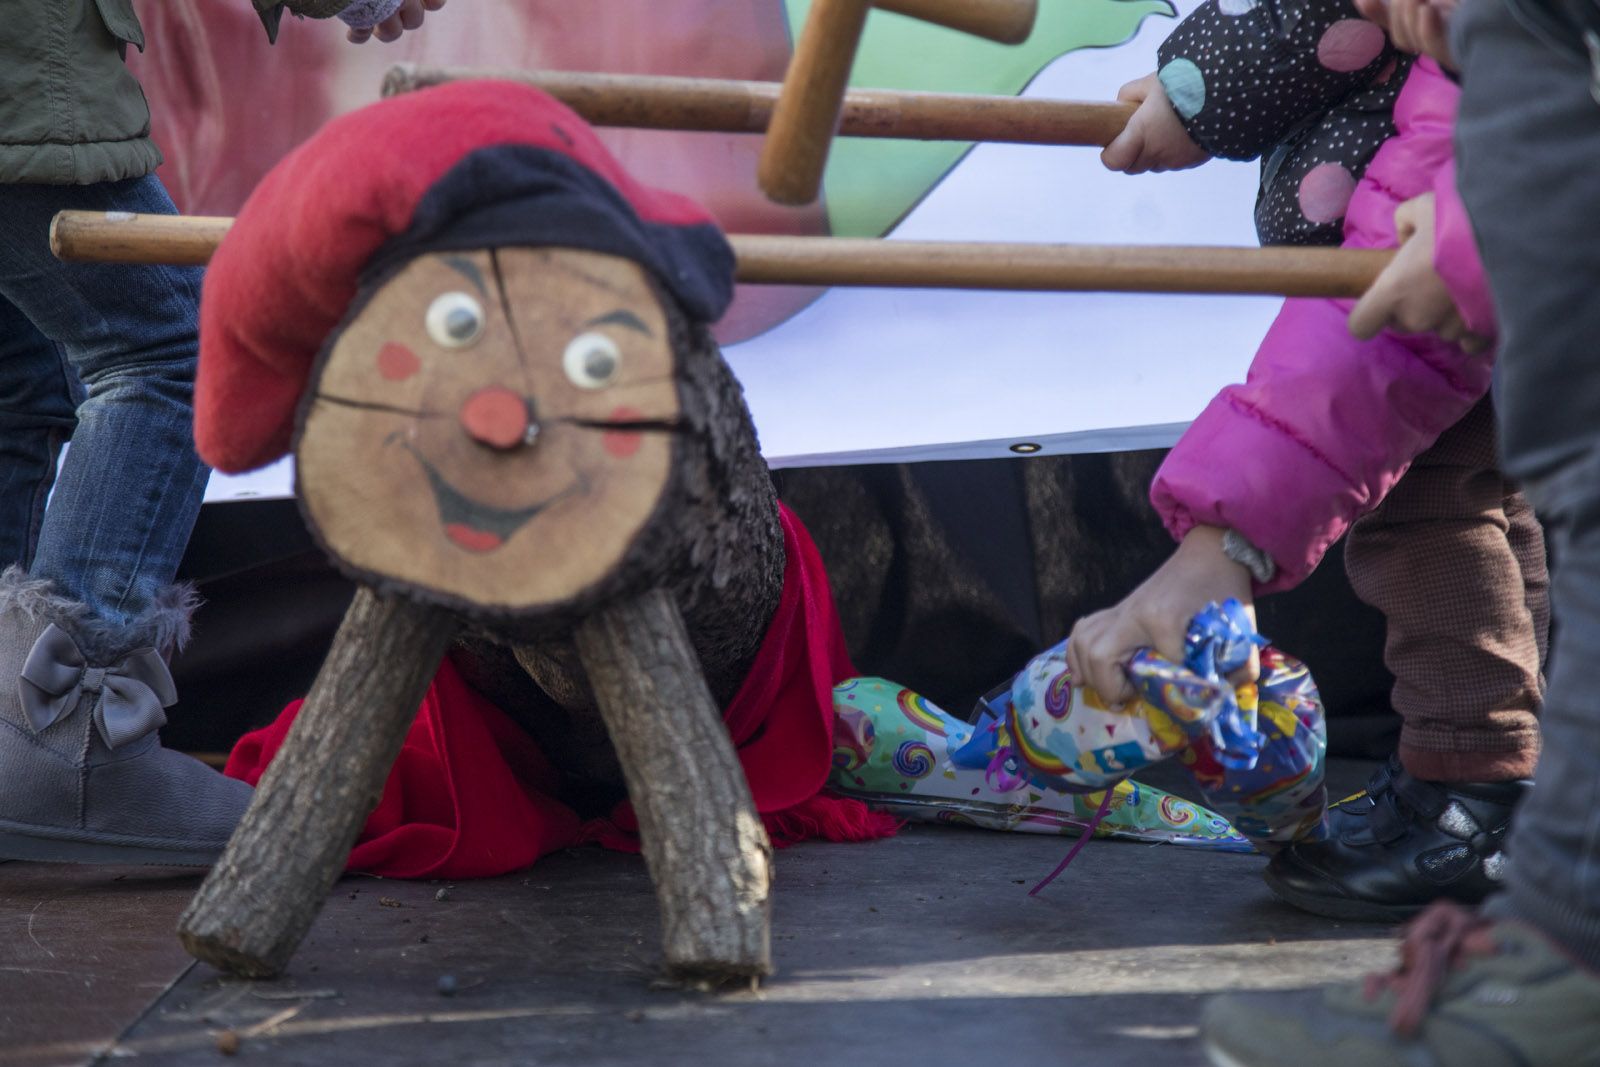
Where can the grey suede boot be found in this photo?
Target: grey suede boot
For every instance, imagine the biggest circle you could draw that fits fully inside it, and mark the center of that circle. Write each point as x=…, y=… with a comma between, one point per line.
x=83, y=776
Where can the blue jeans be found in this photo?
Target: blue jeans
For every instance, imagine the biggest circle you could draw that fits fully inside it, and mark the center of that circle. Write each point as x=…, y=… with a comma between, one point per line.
x=1528, y=137
x=103, y=355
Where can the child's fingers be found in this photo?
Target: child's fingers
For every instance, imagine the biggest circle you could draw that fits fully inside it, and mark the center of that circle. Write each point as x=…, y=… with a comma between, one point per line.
x=1076, y=667
x=1410, y=216
x=1373, y=310
x=1412, y=314
x=1123, y=153
x=1403, y=24
x=410, y=14
x=1114, y=688
x=1073, y=666
x=1095, y=655
x=1453, y=328
x=1077, y=662
x=1374, y=11
x=1434, y=31
x=1250, y=672
x=1136, y=91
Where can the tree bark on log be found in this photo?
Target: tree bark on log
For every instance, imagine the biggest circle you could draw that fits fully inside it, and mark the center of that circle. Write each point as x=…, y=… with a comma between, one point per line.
x=708, y=853
x=261, y=898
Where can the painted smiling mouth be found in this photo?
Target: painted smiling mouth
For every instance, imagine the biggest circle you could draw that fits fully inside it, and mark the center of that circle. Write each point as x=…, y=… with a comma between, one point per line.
x=473, y=525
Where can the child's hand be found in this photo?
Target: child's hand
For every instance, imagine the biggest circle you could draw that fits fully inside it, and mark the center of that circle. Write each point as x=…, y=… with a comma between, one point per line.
x=1154, y=139
x=409, y=17
x=1157, y=614
x=1409, y=296
x=1415, y=25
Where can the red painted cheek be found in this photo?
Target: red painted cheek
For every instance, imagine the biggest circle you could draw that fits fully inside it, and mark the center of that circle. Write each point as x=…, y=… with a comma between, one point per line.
x=396, y=362
x=623, y=443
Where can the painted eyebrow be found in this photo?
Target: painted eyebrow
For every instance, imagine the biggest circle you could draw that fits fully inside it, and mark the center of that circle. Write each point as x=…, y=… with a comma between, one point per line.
x=620, y=317
x=469, y=269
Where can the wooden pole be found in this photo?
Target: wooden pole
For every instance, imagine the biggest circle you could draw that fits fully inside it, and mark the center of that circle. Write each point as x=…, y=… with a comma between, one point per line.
x=807, y=113
x=650, y=102
x=260, y=899
x=809, y=106
x=90, y=236
x=1006, y=21
x=845, y=261
x=124, y=237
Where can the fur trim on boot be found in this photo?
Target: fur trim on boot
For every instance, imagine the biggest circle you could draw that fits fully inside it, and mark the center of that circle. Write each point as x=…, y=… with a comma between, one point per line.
x=164, y=625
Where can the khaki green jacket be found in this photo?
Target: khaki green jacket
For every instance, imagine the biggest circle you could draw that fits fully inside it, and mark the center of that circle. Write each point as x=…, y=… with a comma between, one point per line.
x=70, y=113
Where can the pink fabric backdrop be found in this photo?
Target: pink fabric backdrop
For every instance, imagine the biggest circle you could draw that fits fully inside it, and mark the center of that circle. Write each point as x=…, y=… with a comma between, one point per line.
x=227, y=106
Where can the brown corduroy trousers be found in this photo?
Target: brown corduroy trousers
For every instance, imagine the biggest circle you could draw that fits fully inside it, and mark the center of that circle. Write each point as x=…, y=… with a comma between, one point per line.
x=1455, y=560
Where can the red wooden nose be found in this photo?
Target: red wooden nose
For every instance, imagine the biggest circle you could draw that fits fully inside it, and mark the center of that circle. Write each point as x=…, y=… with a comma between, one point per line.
x=496, y=417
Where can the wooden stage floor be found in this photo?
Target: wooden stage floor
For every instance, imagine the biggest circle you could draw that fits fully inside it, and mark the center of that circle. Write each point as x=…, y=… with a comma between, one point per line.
x=922, y=951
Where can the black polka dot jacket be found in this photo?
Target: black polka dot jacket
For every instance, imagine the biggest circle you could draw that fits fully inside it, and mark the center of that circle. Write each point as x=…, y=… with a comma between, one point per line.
x=1306, y=86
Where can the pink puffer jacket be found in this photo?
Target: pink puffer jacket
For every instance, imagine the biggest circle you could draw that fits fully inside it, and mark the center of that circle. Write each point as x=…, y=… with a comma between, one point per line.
x=1324, y=424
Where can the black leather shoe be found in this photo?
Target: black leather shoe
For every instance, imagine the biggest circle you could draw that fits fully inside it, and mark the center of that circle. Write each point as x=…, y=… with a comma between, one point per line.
x=1351, y=812
x=1407, y=844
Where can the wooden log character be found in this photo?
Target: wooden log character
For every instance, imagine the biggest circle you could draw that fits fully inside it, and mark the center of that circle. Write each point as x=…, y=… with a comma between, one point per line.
x=517, y=423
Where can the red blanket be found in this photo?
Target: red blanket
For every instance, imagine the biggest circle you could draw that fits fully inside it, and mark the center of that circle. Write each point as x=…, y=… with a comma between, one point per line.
x=472, y=796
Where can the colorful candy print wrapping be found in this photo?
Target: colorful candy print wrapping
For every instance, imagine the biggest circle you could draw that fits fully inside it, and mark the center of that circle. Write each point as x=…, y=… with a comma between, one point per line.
x=1256, y=752
x=893, y=749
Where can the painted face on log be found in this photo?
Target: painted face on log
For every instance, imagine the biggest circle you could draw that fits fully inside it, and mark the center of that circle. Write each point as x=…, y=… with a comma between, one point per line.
x=493, y=427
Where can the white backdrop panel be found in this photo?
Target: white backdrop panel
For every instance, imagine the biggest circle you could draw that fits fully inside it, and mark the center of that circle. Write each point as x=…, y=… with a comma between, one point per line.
x=874, y=375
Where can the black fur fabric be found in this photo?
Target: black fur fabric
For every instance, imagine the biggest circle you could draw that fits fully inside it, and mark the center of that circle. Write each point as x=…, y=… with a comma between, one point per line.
x=950, y=576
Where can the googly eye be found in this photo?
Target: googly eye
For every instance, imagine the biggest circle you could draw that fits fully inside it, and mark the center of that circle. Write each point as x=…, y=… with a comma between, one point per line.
x=591, y=360
x=454, y=320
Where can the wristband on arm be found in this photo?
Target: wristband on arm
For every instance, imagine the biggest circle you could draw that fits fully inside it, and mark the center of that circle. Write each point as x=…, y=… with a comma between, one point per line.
x=1238, y=548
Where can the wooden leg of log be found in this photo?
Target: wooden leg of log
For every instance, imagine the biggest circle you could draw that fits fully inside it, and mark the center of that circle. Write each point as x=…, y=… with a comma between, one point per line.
x=256, y=905
x=707, y=850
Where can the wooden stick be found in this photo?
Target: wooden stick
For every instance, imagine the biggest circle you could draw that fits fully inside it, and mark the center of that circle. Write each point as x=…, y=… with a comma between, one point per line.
x=90, y=236
x=124, y=237
x=845, y=261
x=710, y=105
x=1006, y=21
x=807, y=113
x=261, y=898
x=708, y=852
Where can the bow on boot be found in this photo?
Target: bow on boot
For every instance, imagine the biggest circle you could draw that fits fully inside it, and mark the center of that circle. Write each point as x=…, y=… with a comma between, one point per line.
x=133, y=690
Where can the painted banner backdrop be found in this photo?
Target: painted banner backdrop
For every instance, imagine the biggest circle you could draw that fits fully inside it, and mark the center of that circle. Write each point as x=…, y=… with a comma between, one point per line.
x=840, y=376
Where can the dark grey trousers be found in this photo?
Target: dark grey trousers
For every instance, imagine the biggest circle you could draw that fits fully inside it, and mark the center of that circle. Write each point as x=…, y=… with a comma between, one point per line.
x=1528, y=144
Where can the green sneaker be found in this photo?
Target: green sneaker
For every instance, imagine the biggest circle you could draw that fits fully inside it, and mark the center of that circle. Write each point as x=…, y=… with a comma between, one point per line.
x=1468, y=993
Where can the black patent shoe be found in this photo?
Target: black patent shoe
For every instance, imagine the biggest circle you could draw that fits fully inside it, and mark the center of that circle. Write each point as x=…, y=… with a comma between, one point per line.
x=1351, y=812
x=1415, y=842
